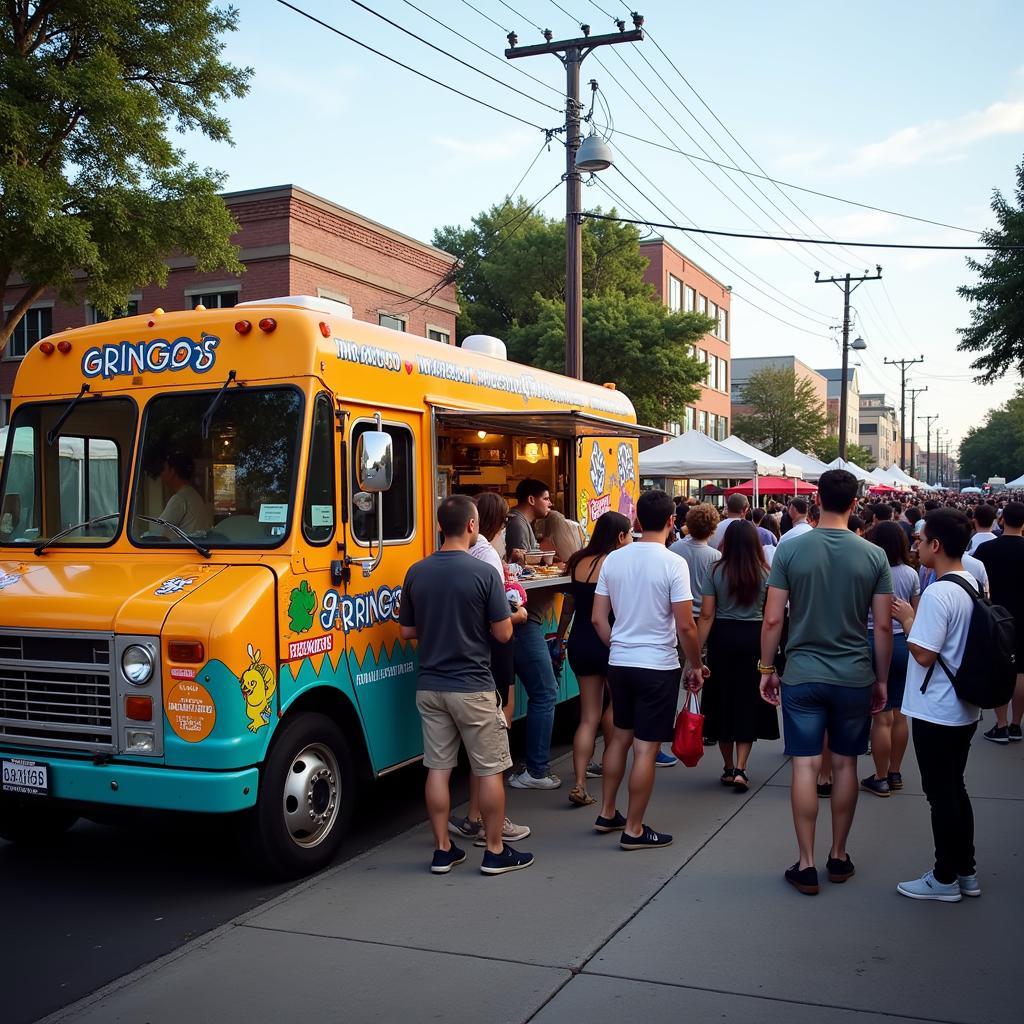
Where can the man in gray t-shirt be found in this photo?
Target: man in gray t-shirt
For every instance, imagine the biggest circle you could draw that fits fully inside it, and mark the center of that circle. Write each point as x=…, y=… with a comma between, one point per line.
x=700, y=556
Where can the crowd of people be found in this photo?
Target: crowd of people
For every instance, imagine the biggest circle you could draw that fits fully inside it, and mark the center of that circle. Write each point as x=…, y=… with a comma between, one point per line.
x=848, y=616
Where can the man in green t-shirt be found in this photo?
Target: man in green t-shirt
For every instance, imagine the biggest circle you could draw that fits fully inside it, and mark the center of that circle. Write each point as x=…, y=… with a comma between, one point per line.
x=831, y=578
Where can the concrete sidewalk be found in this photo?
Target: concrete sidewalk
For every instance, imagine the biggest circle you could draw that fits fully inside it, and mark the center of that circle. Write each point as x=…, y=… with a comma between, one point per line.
x=704, y=929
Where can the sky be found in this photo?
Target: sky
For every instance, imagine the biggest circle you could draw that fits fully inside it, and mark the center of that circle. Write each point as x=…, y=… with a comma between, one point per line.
x=917, y=108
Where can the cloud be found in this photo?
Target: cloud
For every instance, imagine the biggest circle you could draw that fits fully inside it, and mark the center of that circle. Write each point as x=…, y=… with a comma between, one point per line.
x=942, y=140
x=487, y=150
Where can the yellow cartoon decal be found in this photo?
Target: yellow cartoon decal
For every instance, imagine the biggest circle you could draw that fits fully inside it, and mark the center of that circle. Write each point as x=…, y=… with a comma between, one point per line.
x=258, y=685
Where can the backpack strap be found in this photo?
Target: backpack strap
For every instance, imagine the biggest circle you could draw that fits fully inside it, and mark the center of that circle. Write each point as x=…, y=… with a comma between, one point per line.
x=975, y=595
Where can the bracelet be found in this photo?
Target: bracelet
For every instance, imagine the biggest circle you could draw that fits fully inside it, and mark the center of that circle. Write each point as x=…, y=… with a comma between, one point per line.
x=766, y=670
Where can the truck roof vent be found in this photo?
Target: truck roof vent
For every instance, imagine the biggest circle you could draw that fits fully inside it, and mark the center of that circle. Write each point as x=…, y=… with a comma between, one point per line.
x=314, y=303
x=486, y=345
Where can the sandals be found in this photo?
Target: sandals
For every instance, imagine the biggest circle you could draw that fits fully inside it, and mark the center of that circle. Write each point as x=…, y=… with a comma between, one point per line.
x=741, y=780
x=579, y=796
x=728, y=776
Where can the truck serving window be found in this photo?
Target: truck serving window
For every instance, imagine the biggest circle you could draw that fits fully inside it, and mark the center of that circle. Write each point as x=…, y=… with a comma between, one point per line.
x=399, y=502
x=79, y=478
x=233, y=487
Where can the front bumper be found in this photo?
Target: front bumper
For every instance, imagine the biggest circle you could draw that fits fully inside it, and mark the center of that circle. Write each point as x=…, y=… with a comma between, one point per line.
x=134, y=785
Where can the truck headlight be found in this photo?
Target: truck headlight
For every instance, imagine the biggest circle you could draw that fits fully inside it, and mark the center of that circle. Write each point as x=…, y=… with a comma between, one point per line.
x=140, y=741
x=137, y=664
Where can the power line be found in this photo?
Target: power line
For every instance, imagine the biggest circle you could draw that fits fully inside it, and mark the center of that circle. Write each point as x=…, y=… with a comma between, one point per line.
x=817, y=241
x=415, y=71
x=452, y=56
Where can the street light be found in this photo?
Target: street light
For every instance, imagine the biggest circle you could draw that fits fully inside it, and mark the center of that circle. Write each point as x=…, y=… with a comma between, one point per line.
x=594, y=155
x=858, y=344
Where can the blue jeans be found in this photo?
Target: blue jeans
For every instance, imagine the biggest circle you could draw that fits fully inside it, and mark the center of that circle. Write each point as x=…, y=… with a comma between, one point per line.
x=533, y=666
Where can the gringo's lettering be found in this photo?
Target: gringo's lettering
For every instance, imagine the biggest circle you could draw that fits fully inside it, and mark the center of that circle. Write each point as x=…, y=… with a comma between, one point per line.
x=369, y=355
x=356, y=612
x=128, y=358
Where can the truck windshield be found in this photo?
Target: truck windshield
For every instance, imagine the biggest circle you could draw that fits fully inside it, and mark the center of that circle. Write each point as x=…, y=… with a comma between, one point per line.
x=78, y=478
x=233, y=487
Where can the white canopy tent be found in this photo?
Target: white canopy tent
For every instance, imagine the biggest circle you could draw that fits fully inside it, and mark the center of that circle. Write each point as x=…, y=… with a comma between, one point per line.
x=695, y=456
x=1015, y=484
x=903, y=477
x=811, y=467
x=883, y=476
x=852, y=467
x=768, y=464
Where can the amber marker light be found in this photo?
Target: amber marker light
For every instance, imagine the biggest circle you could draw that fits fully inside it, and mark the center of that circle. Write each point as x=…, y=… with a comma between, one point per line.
x=139, y=709
x=325, y=329
x=188, y=652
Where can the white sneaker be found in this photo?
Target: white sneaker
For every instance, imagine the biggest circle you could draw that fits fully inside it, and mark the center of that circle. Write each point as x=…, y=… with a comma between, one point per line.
x=510, y=833
x=928, y=888
x=528, y=781
x=969, y=885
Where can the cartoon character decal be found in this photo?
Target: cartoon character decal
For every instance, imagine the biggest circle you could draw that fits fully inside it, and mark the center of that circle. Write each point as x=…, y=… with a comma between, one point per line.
x=8, y=579
x=582, y=507
x=175, y=585
x=258, y=685
x=301, y=608
x=597, y=467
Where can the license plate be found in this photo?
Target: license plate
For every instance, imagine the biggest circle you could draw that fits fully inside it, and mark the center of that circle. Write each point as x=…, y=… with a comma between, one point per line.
x=28, y=777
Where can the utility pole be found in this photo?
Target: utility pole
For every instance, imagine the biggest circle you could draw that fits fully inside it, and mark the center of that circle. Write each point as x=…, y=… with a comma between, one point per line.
x=903, y=364
x=572, y=52
x=844, y=284
x=928, y=457
x=914, y=392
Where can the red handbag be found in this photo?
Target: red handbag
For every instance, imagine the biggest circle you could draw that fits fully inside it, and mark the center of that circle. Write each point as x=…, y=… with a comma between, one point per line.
x=688, y=742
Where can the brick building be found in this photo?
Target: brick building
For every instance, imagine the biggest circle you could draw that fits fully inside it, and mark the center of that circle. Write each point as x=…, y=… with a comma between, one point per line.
x=744, y=369
x=880, y=429
x=685, y=287
x=292, y=243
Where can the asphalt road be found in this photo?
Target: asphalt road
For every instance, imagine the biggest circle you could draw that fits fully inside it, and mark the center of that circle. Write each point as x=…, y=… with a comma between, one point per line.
x=106, y=900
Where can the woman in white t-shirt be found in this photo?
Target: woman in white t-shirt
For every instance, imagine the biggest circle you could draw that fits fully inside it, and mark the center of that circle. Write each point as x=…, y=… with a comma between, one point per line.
x=943, y=725
x=890, y=732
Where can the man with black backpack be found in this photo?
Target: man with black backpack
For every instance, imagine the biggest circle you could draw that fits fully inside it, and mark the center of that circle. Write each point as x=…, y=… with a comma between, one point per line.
x=962, y=659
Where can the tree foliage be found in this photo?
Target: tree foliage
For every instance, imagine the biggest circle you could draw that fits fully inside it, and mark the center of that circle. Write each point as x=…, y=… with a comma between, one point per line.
x=997, y=447
x=828, y=449
x=997, y=316
x=630, y=340
x=90, y=181
x=783, y=412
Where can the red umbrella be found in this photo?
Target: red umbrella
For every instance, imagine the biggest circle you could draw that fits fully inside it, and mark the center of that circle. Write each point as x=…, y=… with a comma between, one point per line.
x=883, y=489
x=773, y=485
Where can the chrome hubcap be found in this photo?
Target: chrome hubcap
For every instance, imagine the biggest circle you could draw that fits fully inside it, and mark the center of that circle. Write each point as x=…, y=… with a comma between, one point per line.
x=311, y=795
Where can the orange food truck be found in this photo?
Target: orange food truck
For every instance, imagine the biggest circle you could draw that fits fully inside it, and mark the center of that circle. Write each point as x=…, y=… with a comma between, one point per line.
x=245, y=658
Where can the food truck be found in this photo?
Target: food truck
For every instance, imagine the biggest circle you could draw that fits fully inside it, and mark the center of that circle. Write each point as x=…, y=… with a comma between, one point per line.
x=245, y=657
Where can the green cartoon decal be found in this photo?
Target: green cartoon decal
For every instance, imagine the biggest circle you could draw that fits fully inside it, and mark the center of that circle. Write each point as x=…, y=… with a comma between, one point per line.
x=301, y=608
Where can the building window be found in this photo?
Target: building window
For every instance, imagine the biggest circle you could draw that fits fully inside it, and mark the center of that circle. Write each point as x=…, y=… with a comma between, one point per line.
x=723, y=423
x=215, y=300
x=675, y=427
x=399, y=502
x=330, y=293
x=723, y=374
x=723, y=324
x=395, y=323
x=132, y=309
x=869, y=428
x=713, y=313
x=690, y=298
x=704, y=304
x=691, y=417
x=35, y=324
x=709, y=377
x=675, y=294
x=442, y=336
x=702, y=422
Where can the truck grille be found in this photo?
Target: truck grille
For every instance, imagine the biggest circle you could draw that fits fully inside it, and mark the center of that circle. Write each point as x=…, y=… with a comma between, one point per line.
x=55, y=690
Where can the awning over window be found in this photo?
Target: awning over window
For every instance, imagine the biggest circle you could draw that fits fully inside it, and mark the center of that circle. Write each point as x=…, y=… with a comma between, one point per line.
x=543, y=423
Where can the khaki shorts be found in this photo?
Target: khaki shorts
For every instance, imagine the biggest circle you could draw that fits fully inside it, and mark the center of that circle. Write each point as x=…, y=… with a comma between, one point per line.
x=475, y=719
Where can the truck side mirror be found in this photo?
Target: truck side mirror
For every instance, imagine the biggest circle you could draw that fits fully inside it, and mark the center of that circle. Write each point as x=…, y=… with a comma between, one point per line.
x=375, y=459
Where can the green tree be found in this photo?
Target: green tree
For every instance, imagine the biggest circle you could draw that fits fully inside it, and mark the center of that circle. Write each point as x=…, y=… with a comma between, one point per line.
x=997, y=315
x=632, y=340
x=511, y=256
x=828, y=449
x=997, y=447
x=90, y=181
x=782, y=411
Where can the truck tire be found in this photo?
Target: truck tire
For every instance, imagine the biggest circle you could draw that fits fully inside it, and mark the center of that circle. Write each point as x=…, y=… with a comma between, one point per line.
x=33, y=822
x=305, y=801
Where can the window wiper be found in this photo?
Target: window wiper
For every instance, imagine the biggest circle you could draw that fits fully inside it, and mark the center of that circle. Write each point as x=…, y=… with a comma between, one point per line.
x=215, y=404
x=40, y=548
x=54, y=432
x=202, y=549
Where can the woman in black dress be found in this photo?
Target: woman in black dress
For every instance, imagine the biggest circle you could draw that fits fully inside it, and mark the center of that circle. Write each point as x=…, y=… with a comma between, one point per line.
x=731, y=612
x=588, y=656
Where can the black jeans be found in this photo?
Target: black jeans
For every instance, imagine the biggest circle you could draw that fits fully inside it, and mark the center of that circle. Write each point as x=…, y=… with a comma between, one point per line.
x=942, y=757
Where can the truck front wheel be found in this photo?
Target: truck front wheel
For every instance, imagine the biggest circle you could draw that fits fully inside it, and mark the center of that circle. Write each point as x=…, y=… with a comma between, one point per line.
x=306, y=797
x=33, y=822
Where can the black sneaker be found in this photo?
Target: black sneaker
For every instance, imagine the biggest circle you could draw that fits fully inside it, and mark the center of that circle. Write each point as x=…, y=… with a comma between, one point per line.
x=445, y=860
x=647, y=840
x=1014, y=734
x=616, y=824
x=465, y=827
x=507, y=860
x=998, y=734
x=880, y=787
x=805, y=880
x=824, y=790
x=895, y=781
x=839, y=870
